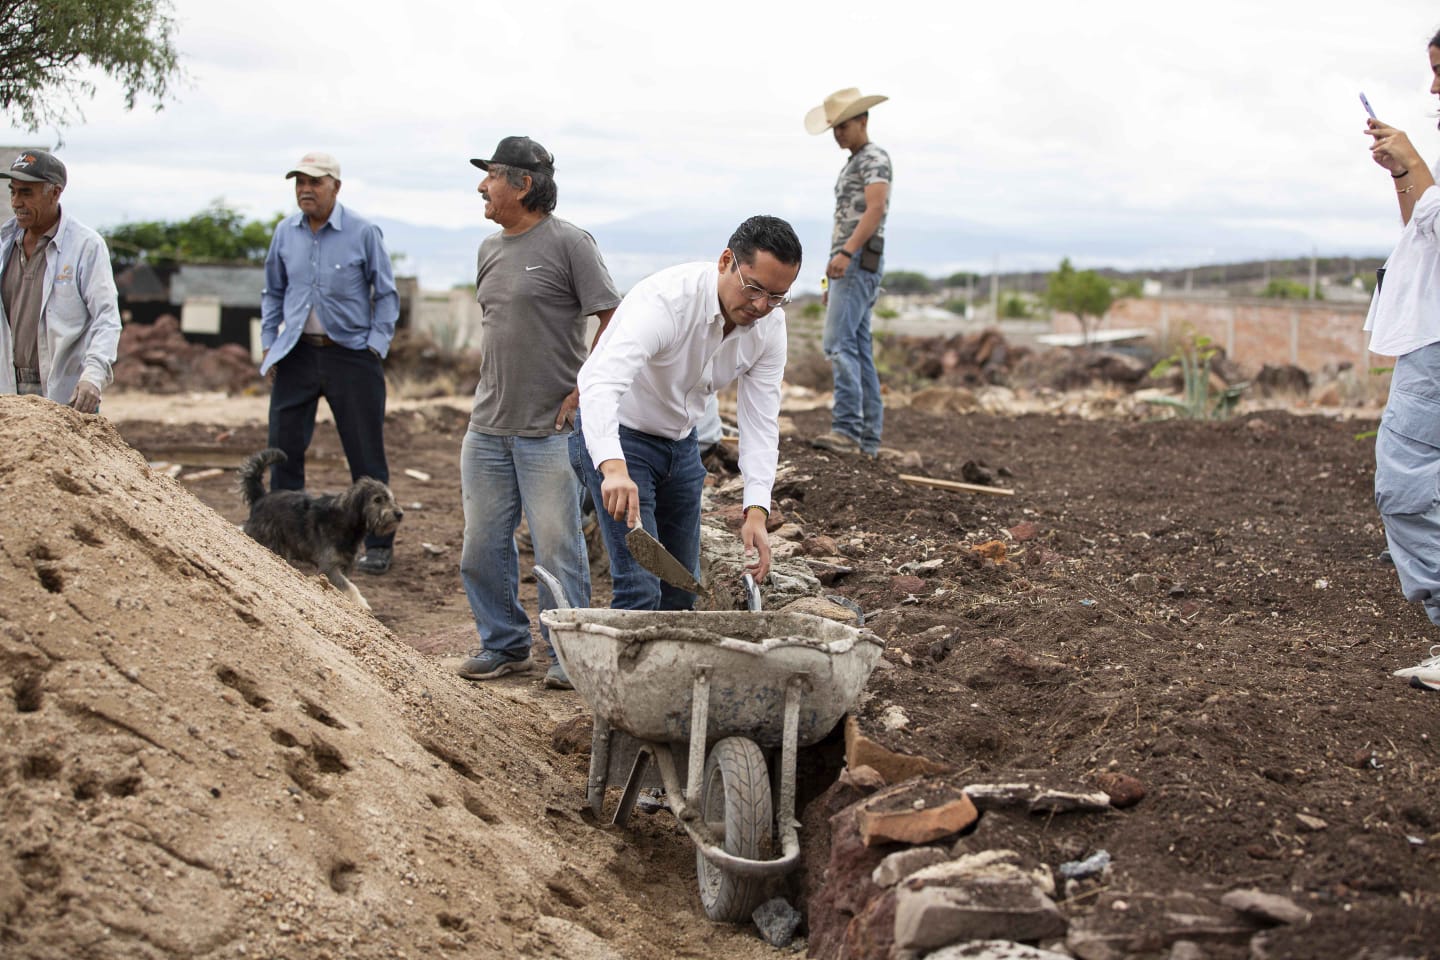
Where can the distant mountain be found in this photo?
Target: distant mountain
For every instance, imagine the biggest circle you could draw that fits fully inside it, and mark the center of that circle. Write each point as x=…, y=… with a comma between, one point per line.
x=639, y=245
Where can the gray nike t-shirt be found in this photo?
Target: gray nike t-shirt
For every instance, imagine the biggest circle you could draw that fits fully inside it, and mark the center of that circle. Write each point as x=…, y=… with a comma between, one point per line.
x=535, y=290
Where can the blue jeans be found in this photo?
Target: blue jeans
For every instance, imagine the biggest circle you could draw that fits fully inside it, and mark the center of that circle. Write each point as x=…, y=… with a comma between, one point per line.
x=859, y=412
x=353, y=384
x=499, y=476
x=670, y=478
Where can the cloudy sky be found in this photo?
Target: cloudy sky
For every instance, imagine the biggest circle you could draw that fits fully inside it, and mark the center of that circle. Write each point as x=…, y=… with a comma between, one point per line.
x=1117, y=133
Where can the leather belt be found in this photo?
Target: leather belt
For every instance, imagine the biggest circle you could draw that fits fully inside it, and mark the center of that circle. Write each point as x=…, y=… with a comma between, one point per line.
x=318, y=340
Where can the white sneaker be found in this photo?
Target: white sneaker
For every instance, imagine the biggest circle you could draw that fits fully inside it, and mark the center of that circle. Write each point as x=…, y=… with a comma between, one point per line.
x=1425, y=675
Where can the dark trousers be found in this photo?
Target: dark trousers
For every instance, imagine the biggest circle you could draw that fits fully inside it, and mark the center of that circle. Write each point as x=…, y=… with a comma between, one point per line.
x=353, y=384
x=670, y=478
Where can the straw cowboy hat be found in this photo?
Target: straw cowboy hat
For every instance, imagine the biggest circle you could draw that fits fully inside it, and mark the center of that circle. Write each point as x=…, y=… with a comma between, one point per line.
x=839, y=107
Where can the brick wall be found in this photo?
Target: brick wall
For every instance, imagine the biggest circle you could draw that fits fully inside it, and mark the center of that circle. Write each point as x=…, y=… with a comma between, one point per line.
x=1313, y=335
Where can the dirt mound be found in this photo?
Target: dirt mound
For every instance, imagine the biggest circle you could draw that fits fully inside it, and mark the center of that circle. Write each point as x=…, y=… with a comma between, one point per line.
x=156, y=358
x=209, y=752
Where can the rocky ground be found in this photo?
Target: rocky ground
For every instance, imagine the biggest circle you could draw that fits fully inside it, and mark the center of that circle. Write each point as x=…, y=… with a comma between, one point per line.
x=211, y=754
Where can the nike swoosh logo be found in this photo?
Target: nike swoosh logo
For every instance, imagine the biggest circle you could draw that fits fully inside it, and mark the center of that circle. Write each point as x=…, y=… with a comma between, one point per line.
x=537, y=267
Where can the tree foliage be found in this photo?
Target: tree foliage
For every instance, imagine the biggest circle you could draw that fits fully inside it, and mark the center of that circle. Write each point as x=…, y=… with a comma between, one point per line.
x=216, y=234
x=1014, y=307
x=48, y=48
x=1082, y=292
x=906, y=281
x=1284, y=289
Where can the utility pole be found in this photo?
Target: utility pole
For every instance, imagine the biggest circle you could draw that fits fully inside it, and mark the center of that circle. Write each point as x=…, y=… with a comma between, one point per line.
x=995, y=289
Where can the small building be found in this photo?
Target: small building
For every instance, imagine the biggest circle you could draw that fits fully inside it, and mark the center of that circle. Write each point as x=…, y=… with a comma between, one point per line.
x=216, y=303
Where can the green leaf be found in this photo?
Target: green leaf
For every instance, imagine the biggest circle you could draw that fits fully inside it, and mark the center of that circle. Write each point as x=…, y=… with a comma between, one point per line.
x=51, y=51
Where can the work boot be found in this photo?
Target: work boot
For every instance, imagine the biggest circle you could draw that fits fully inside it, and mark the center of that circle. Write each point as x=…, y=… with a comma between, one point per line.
x=489, y=664
x=557, y=679
x=836, y=442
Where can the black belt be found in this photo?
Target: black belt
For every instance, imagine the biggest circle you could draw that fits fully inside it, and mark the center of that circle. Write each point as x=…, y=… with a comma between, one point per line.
x=318, y=340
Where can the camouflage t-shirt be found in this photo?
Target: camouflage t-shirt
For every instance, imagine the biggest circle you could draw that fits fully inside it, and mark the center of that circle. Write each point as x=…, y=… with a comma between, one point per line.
x=869, y=165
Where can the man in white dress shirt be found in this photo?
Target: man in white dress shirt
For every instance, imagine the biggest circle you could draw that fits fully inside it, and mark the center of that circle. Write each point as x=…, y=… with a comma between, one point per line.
x=678, y=337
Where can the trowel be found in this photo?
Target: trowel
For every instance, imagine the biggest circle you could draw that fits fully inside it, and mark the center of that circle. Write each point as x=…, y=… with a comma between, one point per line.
x=648, y=552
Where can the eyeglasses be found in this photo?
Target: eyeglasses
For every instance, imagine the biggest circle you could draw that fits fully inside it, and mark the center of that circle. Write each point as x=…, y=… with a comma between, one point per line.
x=753, y=291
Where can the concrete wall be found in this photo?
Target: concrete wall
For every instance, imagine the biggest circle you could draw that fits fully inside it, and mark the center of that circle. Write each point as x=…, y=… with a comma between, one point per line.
x=1313, y=335
x=451, y=317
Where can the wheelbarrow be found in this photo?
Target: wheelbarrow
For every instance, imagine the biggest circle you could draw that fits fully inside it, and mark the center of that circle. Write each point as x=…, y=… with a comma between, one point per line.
x=707, y=696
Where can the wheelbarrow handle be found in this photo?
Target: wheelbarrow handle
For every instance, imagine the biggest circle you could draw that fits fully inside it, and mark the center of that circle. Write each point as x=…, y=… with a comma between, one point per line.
x=557, y=592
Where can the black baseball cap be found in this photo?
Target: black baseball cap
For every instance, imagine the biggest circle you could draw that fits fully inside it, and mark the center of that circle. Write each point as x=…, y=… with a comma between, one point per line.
x=521, y=152
x=36, y=166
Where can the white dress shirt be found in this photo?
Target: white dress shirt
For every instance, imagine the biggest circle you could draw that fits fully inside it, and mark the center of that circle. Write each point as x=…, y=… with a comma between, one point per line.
x=662, y=356
x=1405, y=312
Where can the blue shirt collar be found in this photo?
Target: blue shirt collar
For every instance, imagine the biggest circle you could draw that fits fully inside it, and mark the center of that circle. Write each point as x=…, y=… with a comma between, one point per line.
x=336, y=221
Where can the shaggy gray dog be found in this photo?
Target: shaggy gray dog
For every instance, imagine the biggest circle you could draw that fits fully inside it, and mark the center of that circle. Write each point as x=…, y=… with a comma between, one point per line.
x=326, y=530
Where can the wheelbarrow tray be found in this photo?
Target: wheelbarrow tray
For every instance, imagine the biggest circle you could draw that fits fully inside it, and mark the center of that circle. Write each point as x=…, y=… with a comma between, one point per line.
x=636, y=669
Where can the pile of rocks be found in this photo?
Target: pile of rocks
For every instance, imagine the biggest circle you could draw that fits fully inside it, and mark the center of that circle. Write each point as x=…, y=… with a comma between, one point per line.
x=907, y=861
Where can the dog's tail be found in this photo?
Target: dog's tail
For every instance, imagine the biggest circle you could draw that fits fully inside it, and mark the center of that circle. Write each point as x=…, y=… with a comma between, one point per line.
x=252, y=487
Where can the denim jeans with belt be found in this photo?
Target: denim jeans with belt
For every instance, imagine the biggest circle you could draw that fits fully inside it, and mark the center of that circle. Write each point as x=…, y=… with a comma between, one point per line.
x=500, y=476
x=858, y=412
x=670, y=478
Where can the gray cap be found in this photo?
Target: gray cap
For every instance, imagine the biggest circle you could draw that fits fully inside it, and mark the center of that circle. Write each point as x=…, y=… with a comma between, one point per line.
x=36, y=166
x=520, y=152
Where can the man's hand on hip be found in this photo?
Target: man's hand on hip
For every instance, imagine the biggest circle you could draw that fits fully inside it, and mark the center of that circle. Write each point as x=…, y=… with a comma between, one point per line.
x=568, y=406
x=620, y=496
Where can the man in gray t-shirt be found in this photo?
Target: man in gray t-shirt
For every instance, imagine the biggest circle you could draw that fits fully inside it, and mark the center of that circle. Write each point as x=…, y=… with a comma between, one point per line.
x=537, y=281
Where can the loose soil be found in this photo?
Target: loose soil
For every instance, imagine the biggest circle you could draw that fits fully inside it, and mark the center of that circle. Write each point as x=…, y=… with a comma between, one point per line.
x=209, y=753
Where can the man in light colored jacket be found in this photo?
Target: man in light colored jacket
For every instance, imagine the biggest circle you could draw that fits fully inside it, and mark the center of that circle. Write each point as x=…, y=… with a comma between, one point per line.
x=59, y=316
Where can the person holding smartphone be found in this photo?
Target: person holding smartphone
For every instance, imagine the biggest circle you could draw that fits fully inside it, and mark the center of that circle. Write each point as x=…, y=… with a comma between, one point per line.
x=1404, y=323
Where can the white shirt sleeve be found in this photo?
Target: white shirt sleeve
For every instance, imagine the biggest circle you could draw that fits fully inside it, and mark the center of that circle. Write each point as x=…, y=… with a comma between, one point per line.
x=641, y=327
x=758, y=410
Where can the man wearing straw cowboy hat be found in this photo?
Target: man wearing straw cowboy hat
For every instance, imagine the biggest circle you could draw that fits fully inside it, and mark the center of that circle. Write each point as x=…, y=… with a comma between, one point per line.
x=857, y=246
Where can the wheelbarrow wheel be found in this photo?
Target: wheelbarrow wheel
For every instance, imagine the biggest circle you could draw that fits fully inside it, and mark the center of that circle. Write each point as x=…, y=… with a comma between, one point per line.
x=736, y=792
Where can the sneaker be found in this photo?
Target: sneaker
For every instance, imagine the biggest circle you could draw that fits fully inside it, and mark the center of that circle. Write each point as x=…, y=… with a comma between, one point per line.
x=489, y=664
x=557, y=679
x=1425, y=675
x=836, y=442
x=375, y=561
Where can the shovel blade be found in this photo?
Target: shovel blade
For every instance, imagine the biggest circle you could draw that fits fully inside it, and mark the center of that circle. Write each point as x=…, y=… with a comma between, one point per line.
x=648, y=552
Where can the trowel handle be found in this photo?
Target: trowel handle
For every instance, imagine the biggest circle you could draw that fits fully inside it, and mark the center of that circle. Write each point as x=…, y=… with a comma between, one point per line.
x=752, y=594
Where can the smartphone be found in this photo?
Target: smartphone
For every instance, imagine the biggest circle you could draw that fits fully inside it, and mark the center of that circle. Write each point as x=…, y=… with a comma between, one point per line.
x=1366, y=104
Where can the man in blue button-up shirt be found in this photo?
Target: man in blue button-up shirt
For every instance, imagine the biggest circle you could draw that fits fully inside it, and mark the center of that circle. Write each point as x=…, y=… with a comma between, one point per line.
x=327, y=317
